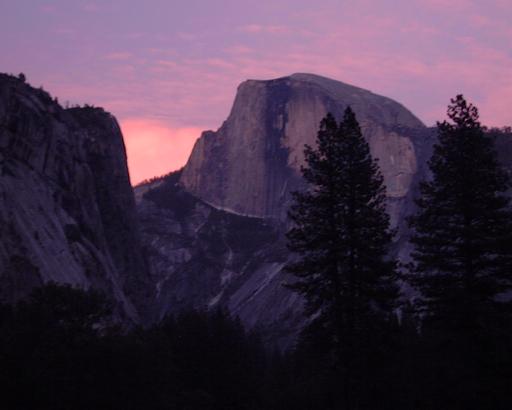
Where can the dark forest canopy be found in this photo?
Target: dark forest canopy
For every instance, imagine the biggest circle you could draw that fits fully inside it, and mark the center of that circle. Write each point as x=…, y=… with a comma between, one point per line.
x=57, y=352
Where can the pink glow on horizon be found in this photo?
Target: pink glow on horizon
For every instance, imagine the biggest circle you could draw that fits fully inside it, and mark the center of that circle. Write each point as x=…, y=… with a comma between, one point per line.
x=154, y=148
x=182, y=61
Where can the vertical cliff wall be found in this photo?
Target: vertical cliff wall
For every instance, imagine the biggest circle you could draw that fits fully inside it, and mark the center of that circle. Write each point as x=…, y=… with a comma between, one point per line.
x=244, y=173
x=66, y=206
x=252, y=162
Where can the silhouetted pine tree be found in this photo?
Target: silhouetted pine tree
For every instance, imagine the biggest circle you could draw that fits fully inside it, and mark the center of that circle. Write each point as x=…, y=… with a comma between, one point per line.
x=342, y=237
x=463, y=264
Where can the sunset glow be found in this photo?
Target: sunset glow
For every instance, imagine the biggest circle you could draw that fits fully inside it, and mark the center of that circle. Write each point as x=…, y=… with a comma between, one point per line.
x=154, y=148
x=166, y=69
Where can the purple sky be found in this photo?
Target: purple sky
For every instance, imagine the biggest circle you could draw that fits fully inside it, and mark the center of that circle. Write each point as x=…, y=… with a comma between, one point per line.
x=168, y=69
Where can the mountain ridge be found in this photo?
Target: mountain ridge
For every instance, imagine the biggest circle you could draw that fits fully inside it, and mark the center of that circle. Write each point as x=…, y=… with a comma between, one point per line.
x=270, y=122
x=248, y=167
x=69, y=214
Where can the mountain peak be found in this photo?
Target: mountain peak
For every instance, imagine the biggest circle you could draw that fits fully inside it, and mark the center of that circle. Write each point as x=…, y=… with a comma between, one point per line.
x=365, y=103
x=253, y=161
x=327, y=83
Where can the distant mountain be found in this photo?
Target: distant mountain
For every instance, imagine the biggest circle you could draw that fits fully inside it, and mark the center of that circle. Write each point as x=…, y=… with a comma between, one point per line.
x=252, y=162
x=208, y=236
x=203, y=257
x=228, y=248
x=67, y=212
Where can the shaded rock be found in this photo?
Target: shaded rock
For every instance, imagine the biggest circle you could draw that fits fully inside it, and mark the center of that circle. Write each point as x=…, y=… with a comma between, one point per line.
x=67, y=212
x=203, y=257
x=245, y=172
x=253, y=161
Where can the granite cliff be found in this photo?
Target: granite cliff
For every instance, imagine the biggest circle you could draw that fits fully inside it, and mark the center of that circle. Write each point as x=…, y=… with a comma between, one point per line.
x=67, y=212
x=208, y=236
x=252, y=162
x=244, y=172
x=204, y=257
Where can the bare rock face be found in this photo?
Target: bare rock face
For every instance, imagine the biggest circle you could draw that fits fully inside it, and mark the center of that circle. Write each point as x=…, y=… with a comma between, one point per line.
x=205, y=258
x=67, y=212
x=216, y=231
x=209, y=236
x=253, y=161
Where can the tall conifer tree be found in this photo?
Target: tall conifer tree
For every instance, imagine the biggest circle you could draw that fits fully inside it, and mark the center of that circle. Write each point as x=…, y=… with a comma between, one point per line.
x=462, y=259
x=341, y=235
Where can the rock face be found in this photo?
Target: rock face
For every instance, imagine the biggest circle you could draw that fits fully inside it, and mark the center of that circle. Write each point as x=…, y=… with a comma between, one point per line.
x=222, y=243
x=203, y=257
x=216, y=230
x=67, y=212
x=209, y=236
x=252, y=162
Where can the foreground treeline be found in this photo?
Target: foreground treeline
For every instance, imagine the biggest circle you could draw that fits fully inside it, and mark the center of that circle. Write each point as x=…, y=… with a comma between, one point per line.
x=431, y=333
x=57, y=352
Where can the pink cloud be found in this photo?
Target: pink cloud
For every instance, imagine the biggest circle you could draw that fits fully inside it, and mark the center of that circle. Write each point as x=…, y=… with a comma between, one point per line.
x=48, y=8
x=122, y=55
x=219, y=63
x=420, y=53
x=444, y=5
x=187, y=36
x=91, y=7
x=155, y=148
x=478, y=21
x=239, y=49
x=166, y=63
x=64, y=31
x=496, y=107
x=268, y=29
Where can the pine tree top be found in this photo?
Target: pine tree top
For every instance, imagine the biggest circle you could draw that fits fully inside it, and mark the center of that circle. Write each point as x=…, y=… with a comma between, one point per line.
x=462, y=233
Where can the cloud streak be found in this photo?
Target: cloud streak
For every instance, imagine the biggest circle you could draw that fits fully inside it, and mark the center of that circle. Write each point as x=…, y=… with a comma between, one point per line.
x=174, y=67
x=265, y=29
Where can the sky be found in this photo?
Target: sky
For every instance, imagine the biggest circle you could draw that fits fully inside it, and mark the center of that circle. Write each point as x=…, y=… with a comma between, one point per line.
x=168, y=69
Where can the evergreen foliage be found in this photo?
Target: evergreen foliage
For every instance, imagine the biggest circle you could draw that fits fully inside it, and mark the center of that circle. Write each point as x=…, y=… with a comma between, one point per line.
x=462, y=264
x=57, y=352
x=342, y=237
